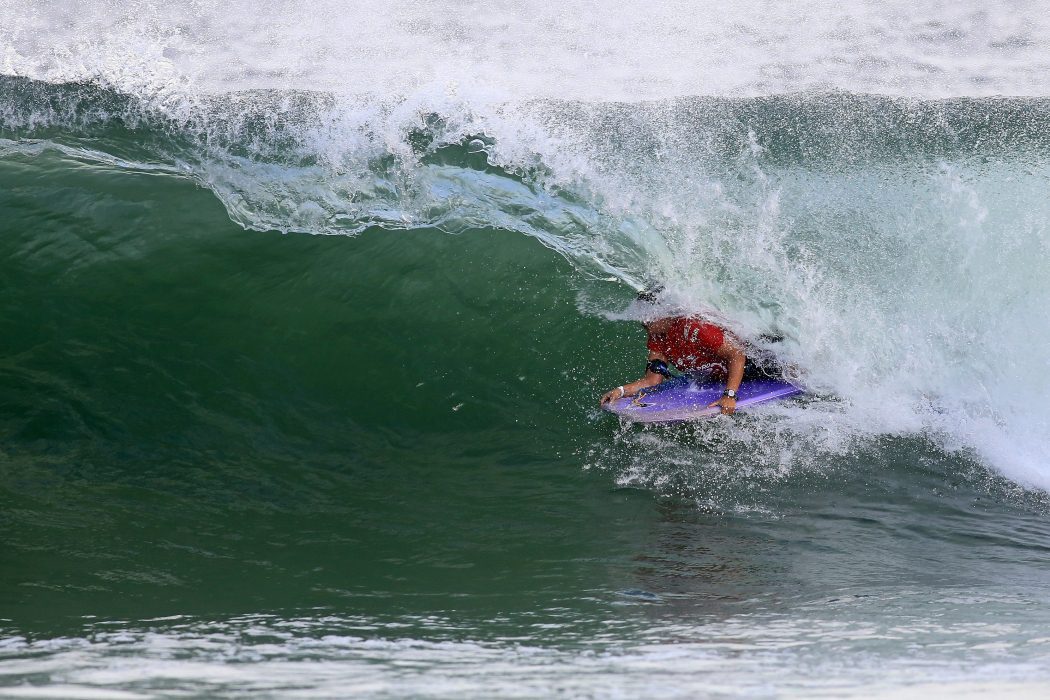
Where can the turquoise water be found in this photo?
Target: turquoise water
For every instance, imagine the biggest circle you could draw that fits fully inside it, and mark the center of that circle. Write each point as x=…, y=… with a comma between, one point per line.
x=298, y=385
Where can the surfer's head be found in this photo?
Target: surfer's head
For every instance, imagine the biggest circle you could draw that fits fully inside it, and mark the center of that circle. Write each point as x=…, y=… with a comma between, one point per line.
x=650, y=295
x=648, y=304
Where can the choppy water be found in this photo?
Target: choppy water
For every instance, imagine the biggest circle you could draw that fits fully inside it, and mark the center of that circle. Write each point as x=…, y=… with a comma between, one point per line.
x=238, y=459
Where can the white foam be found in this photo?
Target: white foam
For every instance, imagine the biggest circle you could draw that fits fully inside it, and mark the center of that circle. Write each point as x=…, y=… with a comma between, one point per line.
x=580, y=49
x=738, y=655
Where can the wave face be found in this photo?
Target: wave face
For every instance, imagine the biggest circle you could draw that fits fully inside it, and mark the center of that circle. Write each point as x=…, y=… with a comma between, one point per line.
x=898, y=244
x=409, y=394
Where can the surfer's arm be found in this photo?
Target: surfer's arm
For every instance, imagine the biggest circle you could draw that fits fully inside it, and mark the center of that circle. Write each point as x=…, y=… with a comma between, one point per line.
x=650, y=379
x=735, y=358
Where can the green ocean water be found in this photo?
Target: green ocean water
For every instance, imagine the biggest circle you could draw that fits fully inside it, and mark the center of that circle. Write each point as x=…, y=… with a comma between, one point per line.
x=236, y=461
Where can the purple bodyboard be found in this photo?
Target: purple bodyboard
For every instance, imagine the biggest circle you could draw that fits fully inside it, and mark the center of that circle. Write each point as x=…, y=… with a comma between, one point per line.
x=681, y=400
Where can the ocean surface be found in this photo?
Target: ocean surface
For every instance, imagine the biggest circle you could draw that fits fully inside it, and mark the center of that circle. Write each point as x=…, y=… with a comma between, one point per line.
x=305, y=310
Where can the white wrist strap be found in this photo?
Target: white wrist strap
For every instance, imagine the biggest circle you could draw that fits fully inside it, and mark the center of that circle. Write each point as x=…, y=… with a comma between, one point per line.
x=622, y=392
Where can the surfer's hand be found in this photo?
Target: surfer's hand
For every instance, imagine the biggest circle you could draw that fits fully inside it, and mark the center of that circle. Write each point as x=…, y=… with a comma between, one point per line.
x=610, y=396
x=727, y=404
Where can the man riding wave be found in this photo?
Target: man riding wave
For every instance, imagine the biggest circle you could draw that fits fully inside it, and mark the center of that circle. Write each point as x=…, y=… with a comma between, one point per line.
x=698, y=347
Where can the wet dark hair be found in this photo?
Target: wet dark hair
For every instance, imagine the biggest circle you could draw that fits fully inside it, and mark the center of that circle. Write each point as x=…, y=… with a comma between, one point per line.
x=651, y=294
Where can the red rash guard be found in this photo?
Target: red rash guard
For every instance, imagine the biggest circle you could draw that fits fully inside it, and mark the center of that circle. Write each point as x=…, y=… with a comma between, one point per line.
x=690, y=344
